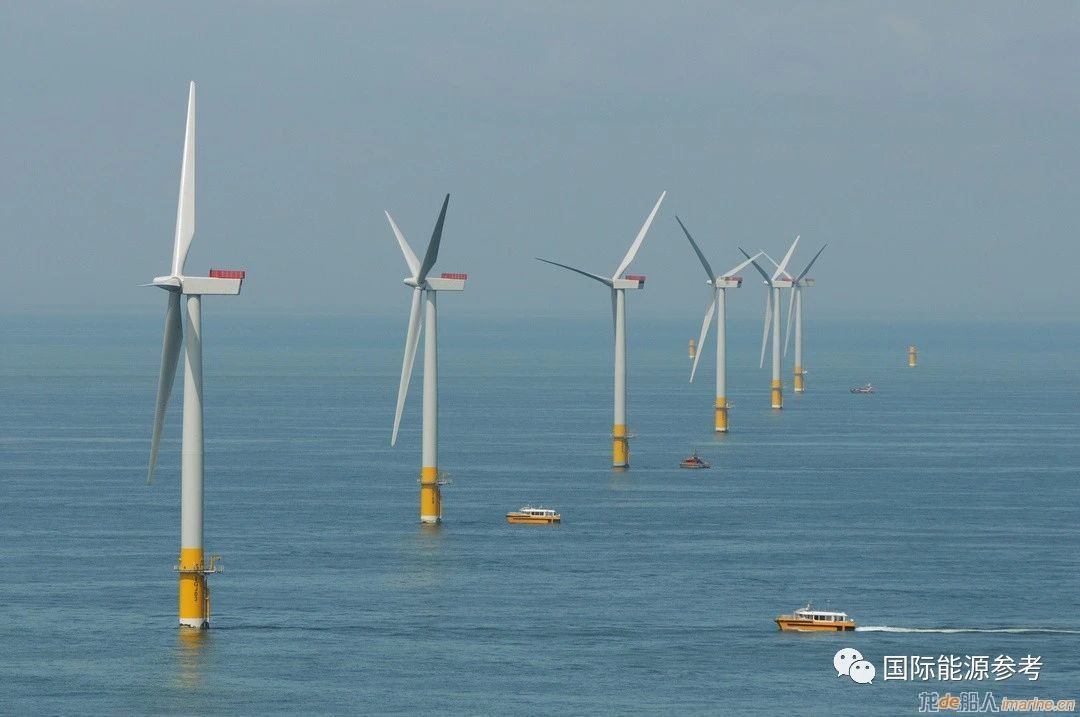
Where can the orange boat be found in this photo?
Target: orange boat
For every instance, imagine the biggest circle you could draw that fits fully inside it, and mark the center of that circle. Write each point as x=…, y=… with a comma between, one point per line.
x=693, y=462
x=533, y=516
x=807, y=619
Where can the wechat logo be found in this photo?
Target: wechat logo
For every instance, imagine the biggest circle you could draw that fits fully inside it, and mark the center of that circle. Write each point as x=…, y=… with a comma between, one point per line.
x=851, y=663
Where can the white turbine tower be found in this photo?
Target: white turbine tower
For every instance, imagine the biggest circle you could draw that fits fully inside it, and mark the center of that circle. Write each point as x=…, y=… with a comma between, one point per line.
x=194, y=594
x=798, y=283
x=425, y=288
x=619, y=283
x=718, y=306
x=780, y=279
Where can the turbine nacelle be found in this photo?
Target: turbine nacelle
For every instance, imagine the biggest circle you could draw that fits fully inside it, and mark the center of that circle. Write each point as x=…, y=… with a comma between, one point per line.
x=447, y=282
x=725, y=282
x=630, y=281
x=215, y=284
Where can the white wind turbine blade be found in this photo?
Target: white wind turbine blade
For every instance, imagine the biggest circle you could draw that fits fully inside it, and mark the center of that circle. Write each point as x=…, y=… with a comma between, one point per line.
x=410, y=257
x=782, y=268
x=764, y=274
x=185, y=206
x=765, y=331
x=787, y=328
x=614, y=310
x=432, y=252
x=412, y=338
x=697, y=250
x=776, y=265
x=602, y=279
x=640, y=238
x=807, y=269
x=704, y=333
x=170, y=355
x=739, y=267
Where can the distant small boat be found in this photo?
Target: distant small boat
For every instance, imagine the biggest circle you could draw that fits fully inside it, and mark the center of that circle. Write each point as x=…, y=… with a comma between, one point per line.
x=807, y=619
x=863, y=389
x=694, y=461
x=533, y=516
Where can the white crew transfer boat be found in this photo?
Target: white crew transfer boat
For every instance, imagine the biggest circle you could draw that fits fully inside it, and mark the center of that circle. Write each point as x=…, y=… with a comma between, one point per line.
x=807, y=619
x=533, y=516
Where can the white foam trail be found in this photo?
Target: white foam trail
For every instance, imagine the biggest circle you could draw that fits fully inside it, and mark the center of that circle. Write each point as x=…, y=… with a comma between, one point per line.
x=953, y=630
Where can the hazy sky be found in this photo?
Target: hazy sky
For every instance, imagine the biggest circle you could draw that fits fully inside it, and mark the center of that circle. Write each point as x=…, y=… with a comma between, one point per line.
x=934, y=146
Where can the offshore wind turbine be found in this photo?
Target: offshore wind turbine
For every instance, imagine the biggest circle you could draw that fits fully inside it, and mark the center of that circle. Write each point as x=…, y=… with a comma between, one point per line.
x=425, y=289
x=193, y=569
x=779, y=279
x=797, y=284
x=720, y=284
x=618, y=283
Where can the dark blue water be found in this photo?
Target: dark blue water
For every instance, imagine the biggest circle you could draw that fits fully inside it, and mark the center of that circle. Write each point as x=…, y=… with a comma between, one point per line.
x=949, y=500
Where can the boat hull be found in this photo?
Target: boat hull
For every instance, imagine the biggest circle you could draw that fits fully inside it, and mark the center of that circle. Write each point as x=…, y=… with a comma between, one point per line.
x=796, y=625
x=521, y=519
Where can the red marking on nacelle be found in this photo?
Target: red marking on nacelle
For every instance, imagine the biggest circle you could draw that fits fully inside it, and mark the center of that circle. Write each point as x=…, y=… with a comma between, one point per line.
x=228, y=273
x=636, y=277
x=452, y=275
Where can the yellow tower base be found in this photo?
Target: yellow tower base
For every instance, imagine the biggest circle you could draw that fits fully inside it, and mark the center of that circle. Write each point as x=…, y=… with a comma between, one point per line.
x=912, y=356
x=620, y=447
x=194, y=590
x=777, y=394
x=721, y=414
x=430, y=497
x=800, y=385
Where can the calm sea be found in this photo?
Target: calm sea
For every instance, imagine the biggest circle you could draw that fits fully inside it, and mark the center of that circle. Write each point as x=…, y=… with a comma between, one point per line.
x=944, y=509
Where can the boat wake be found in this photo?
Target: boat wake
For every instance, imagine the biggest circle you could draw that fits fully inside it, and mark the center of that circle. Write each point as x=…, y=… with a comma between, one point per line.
x=954, y=630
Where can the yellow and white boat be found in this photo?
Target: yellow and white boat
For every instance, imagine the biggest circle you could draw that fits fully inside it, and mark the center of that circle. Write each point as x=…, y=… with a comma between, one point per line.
x=533, y=516
x=807, y=619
